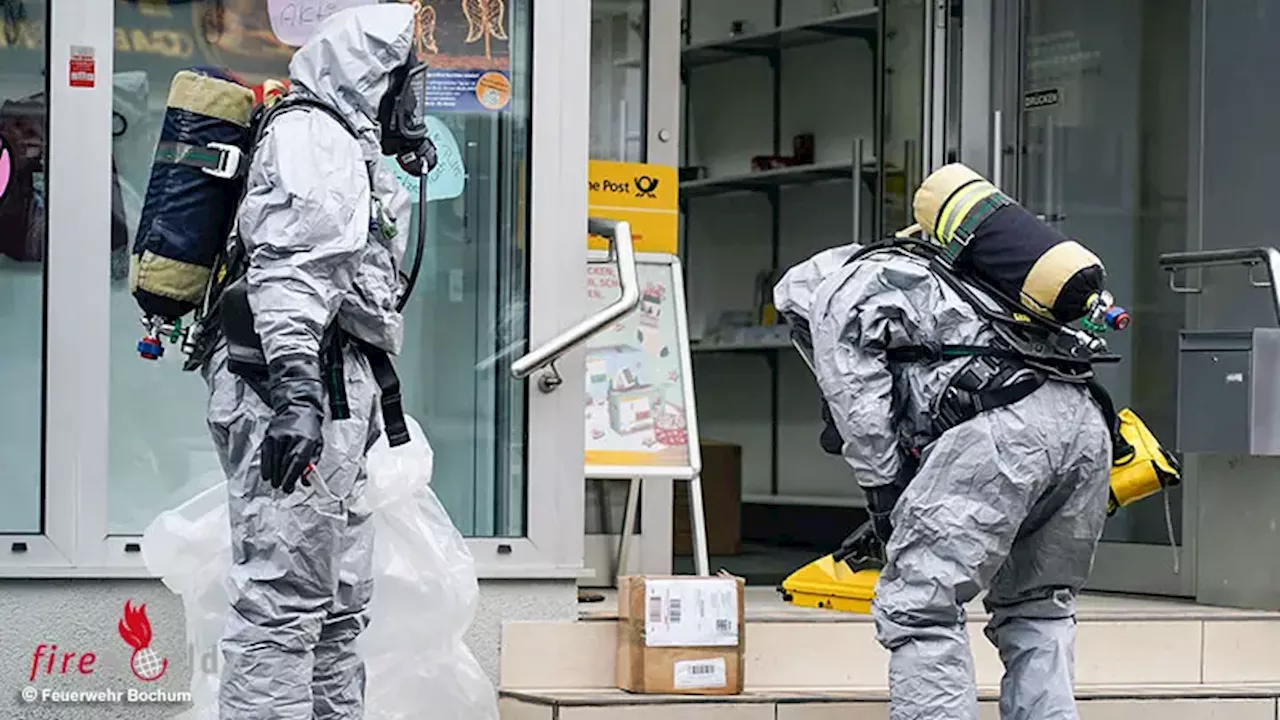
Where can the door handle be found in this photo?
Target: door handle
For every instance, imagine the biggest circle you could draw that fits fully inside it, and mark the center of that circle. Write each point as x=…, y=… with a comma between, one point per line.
x=997, y=150
x=618, y=233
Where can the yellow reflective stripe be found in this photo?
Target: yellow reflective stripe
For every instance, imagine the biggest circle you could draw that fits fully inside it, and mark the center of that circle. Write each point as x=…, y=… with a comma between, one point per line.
x=959, y=206
x=133, y=273
x=1052, y=270
x=211, y=97
x=169, y=278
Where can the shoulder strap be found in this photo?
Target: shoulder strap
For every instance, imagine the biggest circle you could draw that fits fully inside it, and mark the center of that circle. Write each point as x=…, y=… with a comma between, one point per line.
x=938, y=353
x=1010, y=321
x=294, y=102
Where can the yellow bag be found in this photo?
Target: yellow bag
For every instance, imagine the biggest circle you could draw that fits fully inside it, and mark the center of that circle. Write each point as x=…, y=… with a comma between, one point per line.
x=1140, y=468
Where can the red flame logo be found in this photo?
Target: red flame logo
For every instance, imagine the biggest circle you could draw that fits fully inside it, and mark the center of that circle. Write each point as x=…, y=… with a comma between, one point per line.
x=135, y=630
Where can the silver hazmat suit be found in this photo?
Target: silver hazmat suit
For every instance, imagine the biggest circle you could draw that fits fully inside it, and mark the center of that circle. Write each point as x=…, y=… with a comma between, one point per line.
x=302, y=562
x=1011, y=502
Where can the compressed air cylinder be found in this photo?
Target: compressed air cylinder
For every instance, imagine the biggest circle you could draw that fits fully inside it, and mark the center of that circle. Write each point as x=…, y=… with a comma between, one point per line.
x=984, y=231
x=194, y=188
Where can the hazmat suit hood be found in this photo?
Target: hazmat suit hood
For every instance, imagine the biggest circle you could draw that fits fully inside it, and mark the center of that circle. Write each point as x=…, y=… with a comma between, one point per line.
x=347, y=63
x=795, y=292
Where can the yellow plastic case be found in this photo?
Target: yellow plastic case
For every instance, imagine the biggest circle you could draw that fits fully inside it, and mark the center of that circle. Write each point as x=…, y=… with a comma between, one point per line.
x=833, y=585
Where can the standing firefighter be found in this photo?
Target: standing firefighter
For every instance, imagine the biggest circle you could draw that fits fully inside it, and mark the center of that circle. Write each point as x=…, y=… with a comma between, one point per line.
x=296, y=319
x=967, y=409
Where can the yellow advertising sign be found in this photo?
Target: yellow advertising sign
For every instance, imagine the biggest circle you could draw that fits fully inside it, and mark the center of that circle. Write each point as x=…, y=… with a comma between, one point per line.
x=642, y=194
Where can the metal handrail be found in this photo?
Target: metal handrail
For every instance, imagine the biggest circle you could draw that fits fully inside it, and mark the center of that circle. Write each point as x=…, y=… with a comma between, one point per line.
x=618, y=233
x=1249, y=257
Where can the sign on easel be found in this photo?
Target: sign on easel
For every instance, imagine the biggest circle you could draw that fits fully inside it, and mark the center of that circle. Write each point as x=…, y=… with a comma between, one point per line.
x=640, y=415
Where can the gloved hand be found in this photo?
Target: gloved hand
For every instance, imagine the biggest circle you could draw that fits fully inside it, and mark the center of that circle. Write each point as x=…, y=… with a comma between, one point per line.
x=830, y=440
x=293, y=440
x=880, y=502
x=862, y=549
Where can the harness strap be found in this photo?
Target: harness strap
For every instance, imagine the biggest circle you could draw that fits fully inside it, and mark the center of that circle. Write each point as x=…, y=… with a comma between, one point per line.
x=335, y=380
x=1120, y=448
x=959, y=406
x=936, y=353
x=384, y=372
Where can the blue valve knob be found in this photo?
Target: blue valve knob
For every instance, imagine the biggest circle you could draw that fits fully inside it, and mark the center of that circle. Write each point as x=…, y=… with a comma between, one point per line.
x=1117, y=318
x=150, y=348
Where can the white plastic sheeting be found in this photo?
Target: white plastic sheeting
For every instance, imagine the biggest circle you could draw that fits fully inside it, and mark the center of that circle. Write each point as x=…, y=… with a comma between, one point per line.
x=424, y=597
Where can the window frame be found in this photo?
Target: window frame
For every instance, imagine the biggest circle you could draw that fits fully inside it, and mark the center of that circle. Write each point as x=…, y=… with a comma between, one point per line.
x=75, y=541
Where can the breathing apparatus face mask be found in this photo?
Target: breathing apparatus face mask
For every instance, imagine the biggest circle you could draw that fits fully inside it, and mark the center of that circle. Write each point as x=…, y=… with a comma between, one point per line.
x=403, y=117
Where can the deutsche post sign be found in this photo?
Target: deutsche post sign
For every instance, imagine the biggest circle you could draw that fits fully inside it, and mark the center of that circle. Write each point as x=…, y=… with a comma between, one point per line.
x=644, y=195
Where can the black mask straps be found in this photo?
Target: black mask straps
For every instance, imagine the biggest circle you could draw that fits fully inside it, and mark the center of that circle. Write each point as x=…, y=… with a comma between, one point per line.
x=403, y=117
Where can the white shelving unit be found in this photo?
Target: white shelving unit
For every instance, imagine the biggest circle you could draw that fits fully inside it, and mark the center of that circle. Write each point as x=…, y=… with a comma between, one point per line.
x=864, y=167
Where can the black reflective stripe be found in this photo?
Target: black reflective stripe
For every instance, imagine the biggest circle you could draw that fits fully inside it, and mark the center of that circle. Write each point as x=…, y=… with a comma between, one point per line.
x=336, y=380
x=925, y=353
x=179, y=153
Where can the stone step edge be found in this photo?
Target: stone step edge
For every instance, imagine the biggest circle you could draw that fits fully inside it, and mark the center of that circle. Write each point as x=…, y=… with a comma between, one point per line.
x=835, y=617
x=614, y=698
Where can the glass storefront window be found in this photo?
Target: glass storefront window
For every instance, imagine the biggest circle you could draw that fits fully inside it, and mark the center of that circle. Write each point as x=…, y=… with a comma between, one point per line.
x=1106, y=163
x=464, y=325
x=619, y=55
x=903, y=122
x=467, y=320
x=160, y=451
x=23, y=242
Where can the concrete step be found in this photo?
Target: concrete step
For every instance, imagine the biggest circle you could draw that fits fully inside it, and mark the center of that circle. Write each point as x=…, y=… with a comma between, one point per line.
x=1202, y=702
x=1121, y=643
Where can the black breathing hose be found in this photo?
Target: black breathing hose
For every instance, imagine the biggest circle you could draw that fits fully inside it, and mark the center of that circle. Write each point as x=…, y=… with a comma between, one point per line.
x=421, y=243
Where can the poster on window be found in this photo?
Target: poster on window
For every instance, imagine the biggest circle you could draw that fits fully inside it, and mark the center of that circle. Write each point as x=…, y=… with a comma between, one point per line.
x=639, y=414
x=294, y=21
x=467, y=44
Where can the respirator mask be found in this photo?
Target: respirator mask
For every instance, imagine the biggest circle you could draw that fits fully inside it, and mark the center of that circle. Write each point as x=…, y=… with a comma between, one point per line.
x=403, y=117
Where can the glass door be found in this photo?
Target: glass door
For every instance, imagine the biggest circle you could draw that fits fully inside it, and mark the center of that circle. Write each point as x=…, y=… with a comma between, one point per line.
x=1095, y=138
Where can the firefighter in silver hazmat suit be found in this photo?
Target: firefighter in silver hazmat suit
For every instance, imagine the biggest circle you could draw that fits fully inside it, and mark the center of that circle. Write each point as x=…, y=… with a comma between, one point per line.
x=302, y=560
x=1011, y=502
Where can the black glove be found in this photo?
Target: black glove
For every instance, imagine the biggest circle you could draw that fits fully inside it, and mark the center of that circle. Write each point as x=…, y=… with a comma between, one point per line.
x=830, y=440
x=880, y=502
x=862, y=550
x=293, y=439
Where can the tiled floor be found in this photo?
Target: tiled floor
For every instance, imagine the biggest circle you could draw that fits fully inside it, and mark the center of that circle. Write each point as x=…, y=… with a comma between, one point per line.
x=1225, y=703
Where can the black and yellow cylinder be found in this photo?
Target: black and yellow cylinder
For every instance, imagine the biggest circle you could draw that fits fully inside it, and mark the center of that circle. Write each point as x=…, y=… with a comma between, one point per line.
x=983, y=230
x=193, y=191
